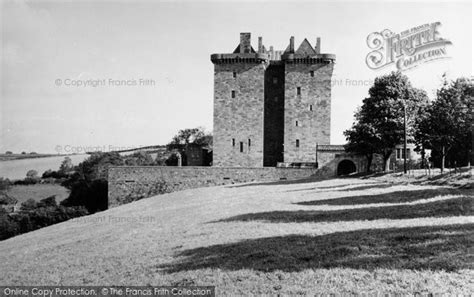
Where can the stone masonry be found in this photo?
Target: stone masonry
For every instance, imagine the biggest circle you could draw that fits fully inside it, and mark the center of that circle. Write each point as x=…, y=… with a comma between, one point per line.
x=271, y=107
x=240, y=118
x=131, y=183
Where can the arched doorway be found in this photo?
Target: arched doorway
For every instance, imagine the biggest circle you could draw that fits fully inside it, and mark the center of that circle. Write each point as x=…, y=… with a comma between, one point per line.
x=346, y=167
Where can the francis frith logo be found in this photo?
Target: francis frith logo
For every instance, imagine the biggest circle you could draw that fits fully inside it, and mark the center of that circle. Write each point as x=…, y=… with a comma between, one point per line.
x=407, y=49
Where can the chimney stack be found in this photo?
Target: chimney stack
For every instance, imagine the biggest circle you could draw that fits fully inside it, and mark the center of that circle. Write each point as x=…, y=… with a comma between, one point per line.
x=260, y=45
x=292, y=44
x=245, y=46
x=317, y=48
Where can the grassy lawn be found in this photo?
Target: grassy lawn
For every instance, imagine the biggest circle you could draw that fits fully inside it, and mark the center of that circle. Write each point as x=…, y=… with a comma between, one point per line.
x=287, y=238
x=434, y=248
x=38, y=192
x=452, y=207
x=391, y=197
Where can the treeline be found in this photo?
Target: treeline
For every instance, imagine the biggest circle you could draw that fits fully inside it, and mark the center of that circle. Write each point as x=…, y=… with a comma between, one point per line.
x=34, y=215
x=87, y=183
x=442, y=125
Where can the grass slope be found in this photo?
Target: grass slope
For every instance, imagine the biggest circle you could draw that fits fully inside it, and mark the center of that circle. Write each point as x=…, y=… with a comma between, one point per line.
x=193, y=237
x=37, y=192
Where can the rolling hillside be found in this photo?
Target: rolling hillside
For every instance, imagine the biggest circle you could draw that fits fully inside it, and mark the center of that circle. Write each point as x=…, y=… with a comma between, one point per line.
x=344, y=235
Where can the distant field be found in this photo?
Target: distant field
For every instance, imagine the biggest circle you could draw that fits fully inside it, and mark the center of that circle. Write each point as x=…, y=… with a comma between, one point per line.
x=38, y=192
x=7, y=157
x=285, y=238
x=17, y=169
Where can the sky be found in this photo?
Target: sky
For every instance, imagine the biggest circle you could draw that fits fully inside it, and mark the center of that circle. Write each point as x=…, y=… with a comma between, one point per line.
x=148, y=70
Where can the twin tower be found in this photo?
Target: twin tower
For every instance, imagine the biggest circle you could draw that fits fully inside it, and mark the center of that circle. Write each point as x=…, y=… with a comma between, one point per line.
x=271, y=107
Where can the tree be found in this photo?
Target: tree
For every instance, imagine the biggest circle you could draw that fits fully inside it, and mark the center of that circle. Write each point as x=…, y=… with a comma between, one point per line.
x=420, y=137
x=88, y=184
x=5, y=184
x=379, y=122
x=183, y=139
x=32, y=174
x=188, y=136
x=361, y=139
x=66, y=166
x=139, y=158
x=446, y=128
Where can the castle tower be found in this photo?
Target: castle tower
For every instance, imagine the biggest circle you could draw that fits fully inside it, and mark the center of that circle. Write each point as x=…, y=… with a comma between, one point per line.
x=270, y=107
x=307, y=101
x=238, y=106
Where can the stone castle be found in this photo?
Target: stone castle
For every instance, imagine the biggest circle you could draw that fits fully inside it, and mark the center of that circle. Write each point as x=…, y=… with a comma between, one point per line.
x=271, y=108
x=272, y=114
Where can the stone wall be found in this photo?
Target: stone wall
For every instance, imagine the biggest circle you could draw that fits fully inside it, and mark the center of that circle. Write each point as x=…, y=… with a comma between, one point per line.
x=312, y=109
x=130, y=183
x=238, y=121
x=328, y=162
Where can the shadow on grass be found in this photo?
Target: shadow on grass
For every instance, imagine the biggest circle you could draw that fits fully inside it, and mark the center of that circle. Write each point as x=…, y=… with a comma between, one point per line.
x=452, y=207
x=336, y=187
x=391, y=197
x=283, y=182
x=369, y=187
x=435, y=248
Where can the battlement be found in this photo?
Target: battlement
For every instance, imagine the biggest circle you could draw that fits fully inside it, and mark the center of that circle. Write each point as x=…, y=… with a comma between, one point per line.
x=245, y=53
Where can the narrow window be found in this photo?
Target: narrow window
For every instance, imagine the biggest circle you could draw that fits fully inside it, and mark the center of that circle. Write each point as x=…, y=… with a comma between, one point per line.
x=310, y=107
x=234, y=74
x=398, y=153
x=311, y=73
x=241, y=147
x=297, y=143
x=250, y=143
x=403, y=153
x=275, y=80
x=233, y=141
x=233, y=94
x=408, y=153
x=298, y=91
x=296, y=123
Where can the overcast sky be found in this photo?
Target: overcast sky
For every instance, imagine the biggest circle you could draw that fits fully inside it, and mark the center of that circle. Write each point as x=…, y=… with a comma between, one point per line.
x=46, y=46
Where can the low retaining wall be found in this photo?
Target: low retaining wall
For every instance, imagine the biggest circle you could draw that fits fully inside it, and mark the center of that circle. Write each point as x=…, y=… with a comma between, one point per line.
x=130, y=183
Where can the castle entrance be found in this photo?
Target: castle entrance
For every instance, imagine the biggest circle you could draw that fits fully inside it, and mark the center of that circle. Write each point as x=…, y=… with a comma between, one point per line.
x=346, y=167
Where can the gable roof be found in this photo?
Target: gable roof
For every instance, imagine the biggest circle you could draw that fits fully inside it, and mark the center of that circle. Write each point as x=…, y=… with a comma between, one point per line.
x=237, y=50
x=305, y=49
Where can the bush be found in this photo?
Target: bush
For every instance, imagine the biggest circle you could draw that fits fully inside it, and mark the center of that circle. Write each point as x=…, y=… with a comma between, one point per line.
x=28, y=205
x=32, y=174
x=8, y=226
x=88, y=184
x=93, y=195
x=47, y=202
x=35, y=218
x=27, y=181
x=139, y=159
x=54, y=174
x=7, y=200
x=5, y=184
